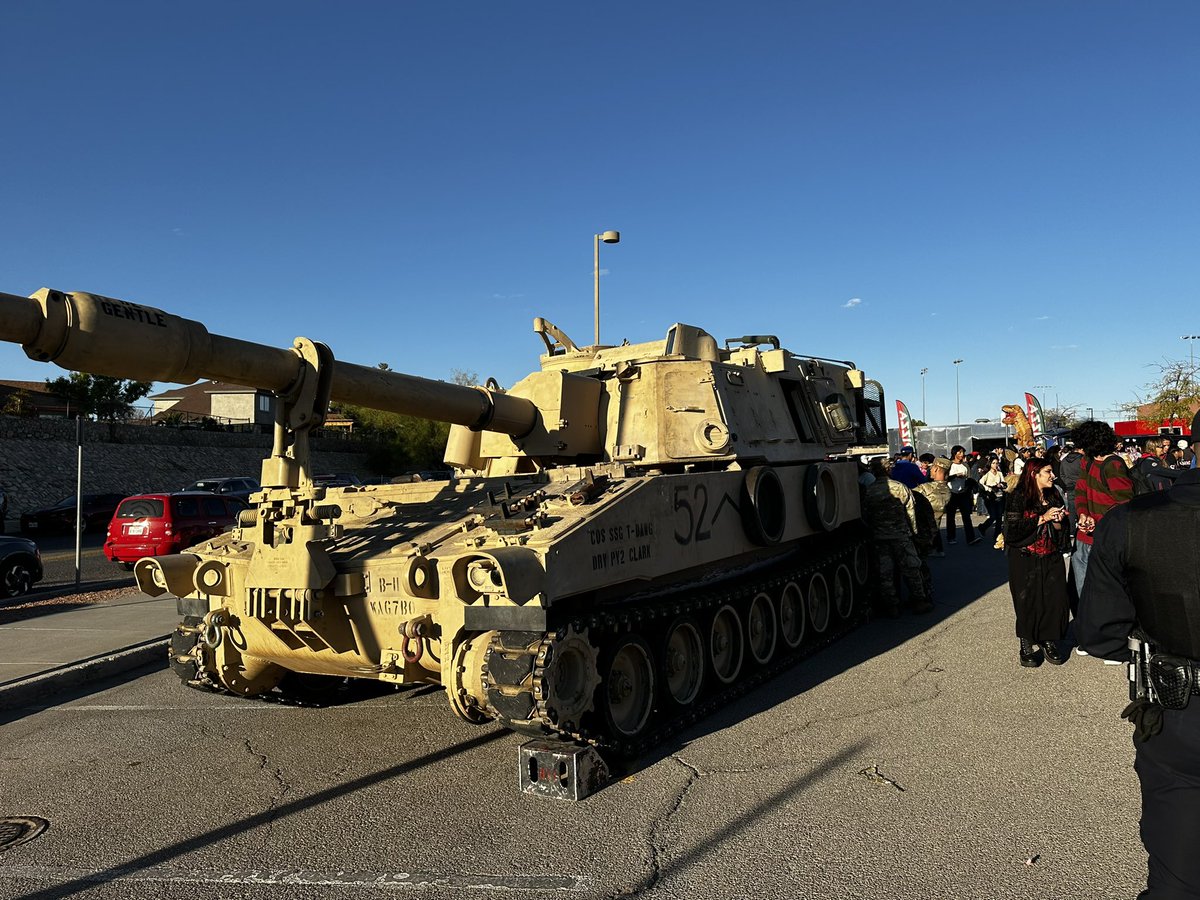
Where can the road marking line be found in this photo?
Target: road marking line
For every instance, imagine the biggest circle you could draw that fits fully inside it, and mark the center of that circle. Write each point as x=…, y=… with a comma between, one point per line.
x=301, y=877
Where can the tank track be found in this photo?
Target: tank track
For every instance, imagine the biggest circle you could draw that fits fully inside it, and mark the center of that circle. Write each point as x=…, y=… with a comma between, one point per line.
x=517, y=663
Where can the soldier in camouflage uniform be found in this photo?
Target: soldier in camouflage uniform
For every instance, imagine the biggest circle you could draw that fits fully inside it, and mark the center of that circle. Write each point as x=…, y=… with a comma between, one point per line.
x=892, y=515
x=937, y=492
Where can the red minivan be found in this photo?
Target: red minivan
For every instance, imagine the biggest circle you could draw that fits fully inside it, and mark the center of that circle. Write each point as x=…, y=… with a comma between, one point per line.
x=159, y=524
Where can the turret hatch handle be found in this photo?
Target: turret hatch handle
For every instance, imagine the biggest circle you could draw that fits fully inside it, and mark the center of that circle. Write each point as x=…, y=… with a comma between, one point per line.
x=556, y=340
x=754, y=340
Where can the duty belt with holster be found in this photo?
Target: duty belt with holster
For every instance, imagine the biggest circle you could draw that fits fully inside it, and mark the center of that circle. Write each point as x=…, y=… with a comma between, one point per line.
x=1157, y=681
x=1161, y=678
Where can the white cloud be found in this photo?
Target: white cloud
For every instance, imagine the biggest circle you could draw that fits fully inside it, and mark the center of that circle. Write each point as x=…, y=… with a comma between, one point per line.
x=1040, y=318
x=851, y=303
x=1065, y=347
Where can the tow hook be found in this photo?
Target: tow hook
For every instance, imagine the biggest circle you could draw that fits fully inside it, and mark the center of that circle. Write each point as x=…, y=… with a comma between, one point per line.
x=211, y=634
x=415, y=630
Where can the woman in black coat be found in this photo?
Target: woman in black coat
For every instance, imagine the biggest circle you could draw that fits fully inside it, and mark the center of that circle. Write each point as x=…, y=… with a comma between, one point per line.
x=1035, y=533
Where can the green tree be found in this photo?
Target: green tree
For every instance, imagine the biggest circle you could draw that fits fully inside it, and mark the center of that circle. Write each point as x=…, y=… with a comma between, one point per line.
x=18, y=403
x=99, y=396
x=1175, y=394
x=399, y=443
x=1061, y=417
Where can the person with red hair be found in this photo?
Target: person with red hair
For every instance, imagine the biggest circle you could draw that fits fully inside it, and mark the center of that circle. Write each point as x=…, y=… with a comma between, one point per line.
x=1035, y=532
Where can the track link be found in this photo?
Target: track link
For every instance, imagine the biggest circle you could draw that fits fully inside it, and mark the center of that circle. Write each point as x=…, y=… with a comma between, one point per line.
x=518, y=663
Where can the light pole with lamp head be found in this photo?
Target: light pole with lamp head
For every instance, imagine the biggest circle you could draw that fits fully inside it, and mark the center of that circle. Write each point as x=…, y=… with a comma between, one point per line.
x=1191, y=348
x=923, y=417
x=957, y=403
x=1047, y=387
x=609, y=237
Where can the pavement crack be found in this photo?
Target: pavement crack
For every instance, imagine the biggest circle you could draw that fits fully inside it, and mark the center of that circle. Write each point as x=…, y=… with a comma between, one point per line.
x=282, y=788
x=655, y=839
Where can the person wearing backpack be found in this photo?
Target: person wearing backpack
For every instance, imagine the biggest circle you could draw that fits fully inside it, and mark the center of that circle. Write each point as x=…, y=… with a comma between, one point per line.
x=1104, y=482
x=1159, y=476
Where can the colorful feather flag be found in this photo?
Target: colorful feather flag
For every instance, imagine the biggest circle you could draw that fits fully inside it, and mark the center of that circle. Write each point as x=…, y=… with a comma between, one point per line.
x=904, y=425
x=1033, y=409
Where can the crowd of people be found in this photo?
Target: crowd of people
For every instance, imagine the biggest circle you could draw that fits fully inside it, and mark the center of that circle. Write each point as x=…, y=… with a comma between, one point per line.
x=1097, y=530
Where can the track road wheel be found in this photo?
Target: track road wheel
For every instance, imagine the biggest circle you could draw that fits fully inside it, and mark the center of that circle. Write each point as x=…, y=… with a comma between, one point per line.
x=725, y=644
x=862, y=564
x=627, y=686
x=818, y=603
x=683, y=661
x=843, y=592
x=791, y=615
x=761, y=631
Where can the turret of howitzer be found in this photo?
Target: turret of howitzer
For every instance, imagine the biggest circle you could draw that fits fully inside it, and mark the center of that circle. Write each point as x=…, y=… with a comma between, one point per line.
x=663, y=403
x=635, y=531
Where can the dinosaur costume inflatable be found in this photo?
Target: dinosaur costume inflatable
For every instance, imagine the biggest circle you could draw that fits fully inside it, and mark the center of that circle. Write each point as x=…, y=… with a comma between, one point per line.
x=1015, y=416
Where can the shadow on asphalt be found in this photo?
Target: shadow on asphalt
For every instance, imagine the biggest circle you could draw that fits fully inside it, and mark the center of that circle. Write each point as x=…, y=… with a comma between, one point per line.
x=966, y=574
x=235, y=829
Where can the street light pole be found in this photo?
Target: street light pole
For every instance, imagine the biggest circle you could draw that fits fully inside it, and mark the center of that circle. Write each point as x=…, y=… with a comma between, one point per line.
x=1190, y=338
x=957, y=403
x=924, y=418
x=609, y=237
x=1048, y=387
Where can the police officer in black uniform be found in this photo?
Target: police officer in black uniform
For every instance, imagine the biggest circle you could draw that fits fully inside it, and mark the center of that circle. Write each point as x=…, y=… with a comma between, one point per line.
x=1144, y=579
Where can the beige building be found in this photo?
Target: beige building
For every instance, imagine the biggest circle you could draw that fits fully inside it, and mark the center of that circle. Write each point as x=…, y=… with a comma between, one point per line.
x=228, y=404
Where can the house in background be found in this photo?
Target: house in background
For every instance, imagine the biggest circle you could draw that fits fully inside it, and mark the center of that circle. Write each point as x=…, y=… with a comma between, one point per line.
x=227, y=404
x=32, y=398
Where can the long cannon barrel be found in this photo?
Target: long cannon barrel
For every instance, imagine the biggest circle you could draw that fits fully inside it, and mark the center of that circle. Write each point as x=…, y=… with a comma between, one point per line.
x=104, y=336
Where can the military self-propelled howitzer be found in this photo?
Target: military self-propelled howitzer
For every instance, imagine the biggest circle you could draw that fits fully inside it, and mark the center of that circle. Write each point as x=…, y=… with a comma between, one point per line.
x=637, y=532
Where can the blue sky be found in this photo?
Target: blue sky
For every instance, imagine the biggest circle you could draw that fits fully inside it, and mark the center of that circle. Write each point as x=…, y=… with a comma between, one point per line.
x=1014, y=184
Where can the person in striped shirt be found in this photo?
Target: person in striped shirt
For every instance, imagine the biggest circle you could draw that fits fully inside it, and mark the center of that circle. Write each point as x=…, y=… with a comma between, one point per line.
x=1103, y=483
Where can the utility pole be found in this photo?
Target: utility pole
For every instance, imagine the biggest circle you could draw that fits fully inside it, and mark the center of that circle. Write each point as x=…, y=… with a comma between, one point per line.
x=924, y=418
x=957, y=402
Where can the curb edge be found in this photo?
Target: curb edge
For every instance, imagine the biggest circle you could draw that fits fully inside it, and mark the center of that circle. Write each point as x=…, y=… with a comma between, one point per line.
x=37, y=687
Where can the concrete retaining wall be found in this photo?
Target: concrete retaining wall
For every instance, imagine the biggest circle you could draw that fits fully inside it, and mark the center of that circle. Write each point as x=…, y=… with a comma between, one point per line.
x=38, y=459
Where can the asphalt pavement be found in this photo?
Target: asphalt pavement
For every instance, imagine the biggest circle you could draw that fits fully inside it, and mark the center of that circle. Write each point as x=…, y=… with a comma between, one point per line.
x=913, y=759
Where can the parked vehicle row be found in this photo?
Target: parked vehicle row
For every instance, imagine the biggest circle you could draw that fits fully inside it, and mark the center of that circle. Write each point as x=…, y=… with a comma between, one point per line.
x=138, y=525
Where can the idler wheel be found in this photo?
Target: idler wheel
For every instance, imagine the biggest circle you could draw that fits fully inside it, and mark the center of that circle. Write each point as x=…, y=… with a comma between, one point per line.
x=683, y=661
x=791, y=615
x=843, y=592
x=627, y=690
x=571, y=677
x=725, y=644
x=818, y=603
x=760, y=629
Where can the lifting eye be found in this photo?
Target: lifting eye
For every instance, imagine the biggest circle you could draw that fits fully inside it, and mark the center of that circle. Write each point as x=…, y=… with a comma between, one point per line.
x=422, y=578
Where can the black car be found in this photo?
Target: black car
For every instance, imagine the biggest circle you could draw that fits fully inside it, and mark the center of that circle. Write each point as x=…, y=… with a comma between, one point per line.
x=60, y=518
x=20, y=566
x=241, y=488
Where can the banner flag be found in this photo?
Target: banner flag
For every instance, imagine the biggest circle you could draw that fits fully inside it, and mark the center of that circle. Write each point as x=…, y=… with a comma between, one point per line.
x=1033, y=410
x=904, y=425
